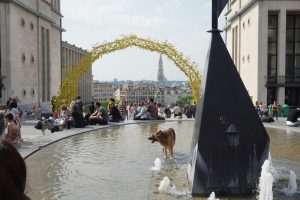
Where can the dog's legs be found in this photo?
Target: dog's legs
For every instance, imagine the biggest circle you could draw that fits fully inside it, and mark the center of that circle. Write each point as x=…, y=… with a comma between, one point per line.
x=171, y=152
x=164, y=152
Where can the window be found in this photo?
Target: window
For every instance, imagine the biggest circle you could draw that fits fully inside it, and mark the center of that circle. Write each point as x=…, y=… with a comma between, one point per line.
x=293, y=45
x=32, y=59
x=272, y=44
x=234, y=44
x=22, y=22
x=24, y=92
x=271, y=95
x=23, y=58
x=31, y=26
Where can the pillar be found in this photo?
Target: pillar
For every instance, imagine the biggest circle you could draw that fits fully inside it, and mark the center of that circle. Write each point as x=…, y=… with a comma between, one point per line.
x=281, y=53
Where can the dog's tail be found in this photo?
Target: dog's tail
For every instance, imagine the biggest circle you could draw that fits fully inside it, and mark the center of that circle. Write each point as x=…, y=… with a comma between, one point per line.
x=174, y=133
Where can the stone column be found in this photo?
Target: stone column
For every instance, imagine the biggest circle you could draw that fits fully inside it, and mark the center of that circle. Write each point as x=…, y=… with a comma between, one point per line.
x=281, y=53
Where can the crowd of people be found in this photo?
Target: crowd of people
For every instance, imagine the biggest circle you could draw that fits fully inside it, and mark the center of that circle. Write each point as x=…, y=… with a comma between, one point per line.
x=263, y=111
x=266, y=116
x=73, y=116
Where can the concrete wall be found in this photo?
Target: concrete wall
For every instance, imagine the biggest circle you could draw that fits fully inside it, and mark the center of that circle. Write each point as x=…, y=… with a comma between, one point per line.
x=21, y=23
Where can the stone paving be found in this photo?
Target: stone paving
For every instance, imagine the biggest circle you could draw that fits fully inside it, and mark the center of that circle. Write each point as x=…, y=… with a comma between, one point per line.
x=34, y=139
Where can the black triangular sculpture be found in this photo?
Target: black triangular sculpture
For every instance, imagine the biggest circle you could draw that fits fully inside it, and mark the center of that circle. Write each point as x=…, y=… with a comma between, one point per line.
x=229, y=144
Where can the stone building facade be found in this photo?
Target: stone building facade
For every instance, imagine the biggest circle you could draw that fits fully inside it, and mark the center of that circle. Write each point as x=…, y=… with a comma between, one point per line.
x=263, y=38
x=71, y=56
x=137, y=92
x=103, y=91
x=30, y=50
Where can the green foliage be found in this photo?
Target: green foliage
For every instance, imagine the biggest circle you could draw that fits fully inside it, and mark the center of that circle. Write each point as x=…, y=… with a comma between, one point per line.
x=184, y=100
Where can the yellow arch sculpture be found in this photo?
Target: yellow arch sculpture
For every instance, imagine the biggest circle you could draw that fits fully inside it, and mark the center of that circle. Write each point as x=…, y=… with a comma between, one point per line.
x=68, y=88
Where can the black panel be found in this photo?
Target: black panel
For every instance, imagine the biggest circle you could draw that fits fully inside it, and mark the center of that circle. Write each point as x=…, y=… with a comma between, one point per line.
x=223, y=102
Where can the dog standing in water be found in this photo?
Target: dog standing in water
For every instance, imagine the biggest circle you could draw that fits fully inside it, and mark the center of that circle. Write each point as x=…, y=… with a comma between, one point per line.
x=166, y=139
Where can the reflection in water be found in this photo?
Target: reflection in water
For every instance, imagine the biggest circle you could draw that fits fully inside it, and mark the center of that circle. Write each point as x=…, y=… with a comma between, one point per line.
x=114, y=163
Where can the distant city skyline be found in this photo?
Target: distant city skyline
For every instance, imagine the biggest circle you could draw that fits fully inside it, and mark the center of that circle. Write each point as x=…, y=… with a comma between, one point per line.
x=182, y=23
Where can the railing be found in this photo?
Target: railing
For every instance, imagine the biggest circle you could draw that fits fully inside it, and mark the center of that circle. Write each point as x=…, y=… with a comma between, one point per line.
x=284, y=81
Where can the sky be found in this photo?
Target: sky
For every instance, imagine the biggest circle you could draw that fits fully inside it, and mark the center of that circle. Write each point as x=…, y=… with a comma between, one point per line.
x=183, y=23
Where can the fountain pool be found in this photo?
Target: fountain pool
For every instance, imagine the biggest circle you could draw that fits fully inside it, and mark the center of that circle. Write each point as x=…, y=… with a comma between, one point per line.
x=116, y=163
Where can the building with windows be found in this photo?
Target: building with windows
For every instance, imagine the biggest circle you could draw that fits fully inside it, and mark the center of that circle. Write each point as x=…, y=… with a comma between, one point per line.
x=137, y=92
x=30, y=50
x=71, y=56
x=263, y=38
x=103, y=91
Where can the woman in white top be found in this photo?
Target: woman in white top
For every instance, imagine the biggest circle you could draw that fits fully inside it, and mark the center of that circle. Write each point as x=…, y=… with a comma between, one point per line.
x=177, y=111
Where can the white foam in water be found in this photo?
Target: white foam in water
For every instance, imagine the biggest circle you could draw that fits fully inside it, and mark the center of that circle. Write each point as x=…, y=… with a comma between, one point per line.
x=157, y=165
x=272, y=169
x=266, y=182
x=292, y=187
x=212, y=196
x=166, y=187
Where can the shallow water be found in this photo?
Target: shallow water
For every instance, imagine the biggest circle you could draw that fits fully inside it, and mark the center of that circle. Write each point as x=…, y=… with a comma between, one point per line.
x=115, y=163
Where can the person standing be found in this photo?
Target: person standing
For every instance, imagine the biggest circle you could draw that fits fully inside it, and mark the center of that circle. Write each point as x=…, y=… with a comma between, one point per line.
x=257, y=107
x=53, y=103
x=188, y=110
x=275, y=110
x=122, y=109
x=194, y=109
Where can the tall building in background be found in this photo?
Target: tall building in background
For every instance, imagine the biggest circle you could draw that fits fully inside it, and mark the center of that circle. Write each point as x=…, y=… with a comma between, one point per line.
x=30, y=50
x=160, y=73
x=71, y=56
x=140, y=91
x=263, y=38
x=103, y=91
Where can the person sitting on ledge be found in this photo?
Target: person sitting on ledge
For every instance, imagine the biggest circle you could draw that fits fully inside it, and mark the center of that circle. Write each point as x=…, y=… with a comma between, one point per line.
x=266, y=117
x=177, y=111
x=12, y=173
x=65, y=115
x=100, y=116
x=114, y=113
x=292, y=119
x=77, y=119
x=168, y=112
x=12, y=134
x=143, y=115
x=153, y=110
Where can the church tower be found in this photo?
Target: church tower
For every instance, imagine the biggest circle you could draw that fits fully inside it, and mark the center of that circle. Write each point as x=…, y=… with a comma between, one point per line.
x=160, y=73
